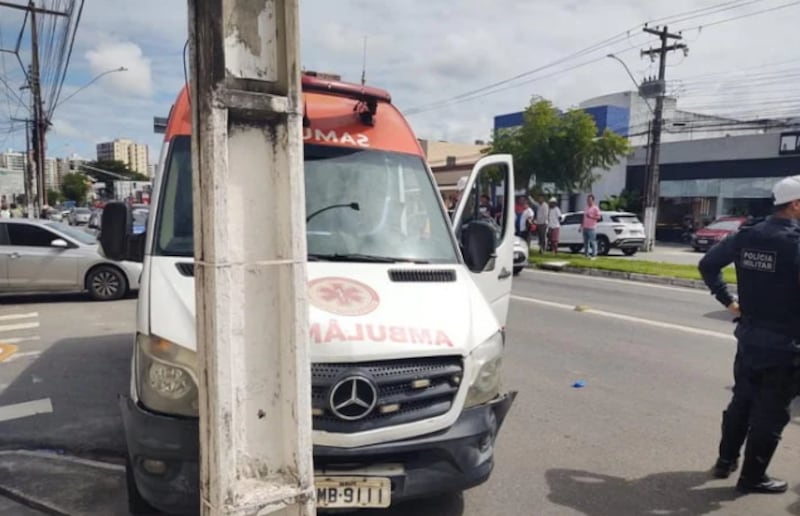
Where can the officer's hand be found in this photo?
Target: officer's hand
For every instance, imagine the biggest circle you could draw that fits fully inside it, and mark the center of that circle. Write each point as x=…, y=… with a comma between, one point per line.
x=734, y=309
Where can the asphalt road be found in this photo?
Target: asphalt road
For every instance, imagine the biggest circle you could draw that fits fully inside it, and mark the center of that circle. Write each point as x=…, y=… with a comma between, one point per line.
x=638, y=439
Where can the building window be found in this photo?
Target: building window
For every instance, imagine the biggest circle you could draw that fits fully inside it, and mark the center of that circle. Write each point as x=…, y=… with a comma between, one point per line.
x=451, y=161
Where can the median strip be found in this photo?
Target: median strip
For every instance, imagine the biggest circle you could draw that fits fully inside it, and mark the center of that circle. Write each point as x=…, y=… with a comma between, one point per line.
x=627, y=268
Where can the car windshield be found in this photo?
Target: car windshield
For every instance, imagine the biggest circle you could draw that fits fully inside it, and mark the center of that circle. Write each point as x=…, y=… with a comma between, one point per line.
x=361, y=205
x=724, y=225
x=76, y=234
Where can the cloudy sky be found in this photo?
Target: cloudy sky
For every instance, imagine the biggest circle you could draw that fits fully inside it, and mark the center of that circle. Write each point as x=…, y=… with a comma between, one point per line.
x=744, y=56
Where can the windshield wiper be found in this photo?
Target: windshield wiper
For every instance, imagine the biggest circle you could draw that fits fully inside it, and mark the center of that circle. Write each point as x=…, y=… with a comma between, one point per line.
x=358, y=257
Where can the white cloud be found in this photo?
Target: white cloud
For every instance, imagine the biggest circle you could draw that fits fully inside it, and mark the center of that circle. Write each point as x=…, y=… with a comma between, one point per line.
x=137, y=80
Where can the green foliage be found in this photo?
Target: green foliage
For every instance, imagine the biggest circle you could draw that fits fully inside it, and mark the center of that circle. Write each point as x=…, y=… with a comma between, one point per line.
x=559, y=148
x=75, y=187
x=54, y=197
x=627, y=200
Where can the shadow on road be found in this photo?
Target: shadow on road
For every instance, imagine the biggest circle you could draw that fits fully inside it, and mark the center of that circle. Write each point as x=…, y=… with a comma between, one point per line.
x=71, y=297
x=721, y=315
x=81, y=378
x=674, y=492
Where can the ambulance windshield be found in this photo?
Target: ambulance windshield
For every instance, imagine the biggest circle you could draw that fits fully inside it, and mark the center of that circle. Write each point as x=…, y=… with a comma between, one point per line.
x=361, y=205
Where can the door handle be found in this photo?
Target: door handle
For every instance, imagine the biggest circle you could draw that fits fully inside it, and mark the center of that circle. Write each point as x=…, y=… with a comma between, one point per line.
x=504, y=273
x=13, y=256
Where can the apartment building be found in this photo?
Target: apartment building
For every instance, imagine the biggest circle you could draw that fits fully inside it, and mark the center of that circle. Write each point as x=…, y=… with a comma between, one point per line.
x=135, y=155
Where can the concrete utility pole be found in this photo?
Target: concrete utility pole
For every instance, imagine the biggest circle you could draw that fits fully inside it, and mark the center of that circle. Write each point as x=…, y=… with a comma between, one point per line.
x=651, y=194
x=250, y=256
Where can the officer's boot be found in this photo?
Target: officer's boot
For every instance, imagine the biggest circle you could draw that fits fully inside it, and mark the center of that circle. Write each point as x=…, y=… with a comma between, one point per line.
x=754, y=479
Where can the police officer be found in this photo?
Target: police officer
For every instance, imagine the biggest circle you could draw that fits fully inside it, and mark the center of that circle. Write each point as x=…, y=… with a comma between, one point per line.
x=767, y=259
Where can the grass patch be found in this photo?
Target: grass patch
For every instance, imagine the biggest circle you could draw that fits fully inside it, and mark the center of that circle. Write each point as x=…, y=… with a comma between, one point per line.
x=671, y=270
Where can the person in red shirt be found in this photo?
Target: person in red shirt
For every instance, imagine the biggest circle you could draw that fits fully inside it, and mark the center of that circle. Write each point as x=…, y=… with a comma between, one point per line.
x=589, y=227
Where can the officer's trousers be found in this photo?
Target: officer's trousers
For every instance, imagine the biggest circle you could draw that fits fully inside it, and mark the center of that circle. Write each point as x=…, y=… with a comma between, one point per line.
x=758, y=412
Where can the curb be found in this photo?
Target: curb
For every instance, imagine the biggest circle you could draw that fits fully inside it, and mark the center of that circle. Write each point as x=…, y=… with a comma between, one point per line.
x=629, y=276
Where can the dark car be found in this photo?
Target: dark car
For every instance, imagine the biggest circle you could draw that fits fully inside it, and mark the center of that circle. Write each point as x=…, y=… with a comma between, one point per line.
x=707, y=237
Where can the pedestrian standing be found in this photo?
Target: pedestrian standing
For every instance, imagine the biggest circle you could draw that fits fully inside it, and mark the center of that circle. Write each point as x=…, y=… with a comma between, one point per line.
x=5, y=213
x=542, y=216
x=766, y=255
x=553, y=225
x=589, y=227
x=524, y=219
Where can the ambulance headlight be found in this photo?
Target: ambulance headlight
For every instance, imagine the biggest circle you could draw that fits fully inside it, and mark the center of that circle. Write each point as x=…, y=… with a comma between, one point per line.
x=166, y=376
x=487, y=358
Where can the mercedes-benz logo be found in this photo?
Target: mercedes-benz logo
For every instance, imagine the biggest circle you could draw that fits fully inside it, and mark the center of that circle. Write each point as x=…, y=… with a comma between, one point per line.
x=353, y=398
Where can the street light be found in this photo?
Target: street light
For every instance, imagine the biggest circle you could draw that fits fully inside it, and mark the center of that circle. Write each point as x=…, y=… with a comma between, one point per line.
x=115, y=70
x=620, y=61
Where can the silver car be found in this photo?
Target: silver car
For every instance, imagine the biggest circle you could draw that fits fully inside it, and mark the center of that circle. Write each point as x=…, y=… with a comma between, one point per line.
x=45, y=256
x=80, y=216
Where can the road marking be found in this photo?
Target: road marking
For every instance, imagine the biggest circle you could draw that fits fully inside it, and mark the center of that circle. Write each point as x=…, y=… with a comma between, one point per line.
x=633, y=283
x=21, y=326
x=6, y=351
x=12, y=317
x=25, y=409
x=17, y=340
x=628, y=318
x=17, y=356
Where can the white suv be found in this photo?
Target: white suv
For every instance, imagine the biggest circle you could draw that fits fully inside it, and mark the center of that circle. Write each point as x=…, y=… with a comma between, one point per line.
x=616, y=229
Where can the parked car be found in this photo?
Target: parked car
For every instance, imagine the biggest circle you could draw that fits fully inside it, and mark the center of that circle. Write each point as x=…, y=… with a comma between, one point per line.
x=615, y=230
x=79, y=216
x=45, y=256
x=521, y=252
x=704, y=239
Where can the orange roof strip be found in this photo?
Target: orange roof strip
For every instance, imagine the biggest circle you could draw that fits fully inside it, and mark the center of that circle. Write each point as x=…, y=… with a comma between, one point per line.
x=334, y=121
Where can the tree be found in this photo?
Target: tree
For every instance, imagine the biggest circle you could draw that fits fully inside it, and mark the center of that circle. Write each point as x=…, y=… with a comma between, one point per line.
x=559, y=148
x=75, y=187
x=54, y=196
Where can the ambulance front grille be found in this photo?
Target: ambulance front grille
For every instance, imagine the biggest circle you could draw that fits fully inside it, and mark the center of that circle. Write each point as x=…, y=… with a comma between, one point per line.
x=408, y=390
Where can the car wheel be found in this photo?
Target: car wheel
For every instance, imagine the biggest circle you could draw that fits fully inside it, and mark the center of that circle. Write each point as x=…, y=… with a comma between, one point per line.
x=106, y=283
x=136, y=504
x=630, y=251
x=603, y=246
x=517, y=270
x=575, y=249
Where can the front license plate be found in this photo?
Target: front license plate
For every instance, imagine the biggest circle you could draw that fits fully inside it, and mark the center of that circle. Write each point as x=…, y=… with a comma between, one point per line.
x=343, y=492
x=702, y=241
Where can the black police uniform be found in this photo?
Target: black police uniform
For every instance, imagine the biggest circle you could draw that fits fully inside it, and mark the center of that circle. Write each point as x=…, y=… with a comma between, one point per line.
x=767, y=259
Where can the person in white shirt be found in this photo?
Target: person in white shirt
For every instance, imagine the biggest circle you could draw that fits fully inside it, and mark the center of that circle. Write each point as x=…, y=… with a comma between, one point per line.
x=524, y=219
x=553, y=225
x=542, y=216
x=5, y=213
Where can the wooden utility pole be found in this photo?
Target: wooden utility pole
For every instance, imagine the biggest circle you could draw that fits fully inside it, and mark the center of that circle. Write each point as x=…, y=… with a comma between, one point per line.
x=250, y=278
x=652, y=192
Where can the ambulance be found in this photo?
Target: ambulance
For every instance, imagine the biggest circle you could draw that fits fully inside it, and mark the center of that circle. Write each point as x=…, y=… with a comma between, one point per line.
x=407, y=313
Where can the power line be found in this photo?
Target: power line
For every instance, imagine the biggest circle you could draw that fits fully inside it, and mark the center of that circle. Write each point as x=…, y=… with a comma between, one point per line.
x=748, y=15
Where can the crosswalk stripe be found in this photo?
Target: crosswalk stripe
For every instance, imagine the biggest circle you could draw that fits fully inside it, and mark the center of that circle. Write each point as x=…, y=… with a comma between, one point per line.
x=17, y=340
x=17, y=356
x=13, y=317
x=21, y=326
x=28, y=408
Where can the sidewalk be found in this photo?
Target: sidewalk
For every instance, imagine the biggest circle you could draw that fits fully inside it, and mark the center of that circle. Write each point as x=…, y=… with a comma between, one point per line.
x=678, y=254
x=60, y=484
